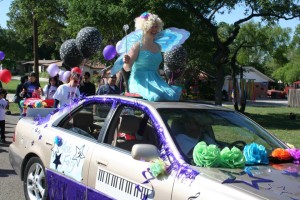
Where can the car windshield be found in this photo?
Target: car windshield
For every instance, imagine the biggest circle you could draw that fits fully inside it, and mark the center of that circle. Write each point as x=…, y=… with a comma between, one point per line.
x=220, y=127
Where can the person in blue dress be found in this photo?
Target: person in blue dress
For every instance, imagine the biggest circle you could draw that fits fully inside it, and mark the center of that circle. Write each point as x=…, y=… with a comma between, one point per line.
x=143, y=61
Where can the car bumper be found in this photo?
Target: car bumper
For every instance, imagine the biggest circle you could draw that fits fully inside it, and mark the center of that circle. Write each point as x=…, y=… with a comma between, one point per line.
x=15, y=159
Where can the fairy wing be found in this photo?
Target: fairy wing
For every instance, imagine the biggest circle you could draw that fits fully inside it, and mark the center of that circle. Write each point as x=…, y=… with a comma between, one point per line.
x=126, y=43
x=167, y=39
x=171, y=37
x=123, y=46
x=118, y=65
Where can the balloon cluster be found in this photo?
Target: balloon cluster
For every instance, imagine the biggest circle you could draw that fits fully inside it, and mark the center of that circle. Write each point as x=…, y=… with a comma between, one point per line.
x=53, y=70
x=5, y=75
x=86, y=44
x=174, y=62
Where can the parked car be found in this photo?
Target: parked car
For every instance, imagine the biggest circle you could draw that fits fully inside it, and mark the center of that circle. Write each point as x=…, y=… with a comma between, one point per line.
x=117, y=147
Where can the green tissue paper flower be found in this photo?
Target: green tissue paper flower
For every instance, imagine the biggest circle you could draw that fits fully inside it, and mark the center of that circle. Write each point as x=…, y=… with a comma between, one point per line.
x=206, y=156
x=157, y=167
x=233, y=158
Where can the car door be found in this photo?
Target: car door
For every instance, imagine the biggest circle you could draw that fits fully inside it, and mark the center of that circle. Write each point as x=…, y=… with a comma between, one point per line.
x=72, y=143
x=114, y=173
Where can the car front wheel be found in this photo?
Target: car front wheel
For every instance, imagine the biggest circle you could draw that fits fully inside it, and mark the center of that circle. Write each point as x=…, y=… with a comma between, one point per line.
x=35, y=186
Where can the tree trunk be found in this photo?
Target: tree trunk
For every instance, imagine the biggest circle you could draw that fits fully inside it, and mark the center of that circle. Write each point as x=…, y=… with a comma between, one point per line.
x=219, y=85
x=35, y=46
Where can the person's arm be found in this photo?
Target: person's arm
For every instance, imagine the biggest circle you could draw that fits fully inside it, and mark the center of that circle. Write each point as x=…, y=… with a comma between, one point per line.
x=130, y=58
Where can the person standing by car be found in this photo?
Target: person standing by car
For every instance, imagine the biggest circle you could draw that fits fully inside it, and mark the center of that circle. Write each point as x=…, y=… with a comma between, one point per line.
x=66, y=93
x=51, y=87
x=110, y=87
x=30, y=86
x=87, y=88
x=3, y=107
x=19, y=90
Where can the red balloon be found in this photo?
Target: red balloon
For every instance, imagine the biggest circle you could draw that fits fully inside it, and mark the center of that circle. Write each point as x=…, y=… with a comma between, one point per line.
x=5, y=76
x=77, y=70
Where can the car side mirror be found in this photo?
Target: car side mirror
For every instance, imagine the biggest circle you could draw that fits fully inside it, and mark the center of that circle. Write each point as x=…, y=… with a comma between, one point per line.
x=145, y=152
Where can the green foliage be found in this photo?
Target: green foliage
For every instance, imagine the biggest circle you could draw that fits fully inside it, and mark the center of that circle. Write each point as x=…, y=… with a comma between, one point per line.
x=50, y=15
x=11, y=47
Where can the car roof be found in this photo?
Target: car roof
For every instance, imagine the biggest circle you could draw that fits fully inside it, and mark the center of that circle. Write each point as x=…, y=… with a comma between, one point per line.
x=168, y=104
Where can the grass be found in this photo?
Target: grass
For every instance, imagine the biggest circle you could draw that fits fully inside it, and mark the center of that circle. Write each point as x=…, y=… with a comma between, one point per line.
x=277, y=121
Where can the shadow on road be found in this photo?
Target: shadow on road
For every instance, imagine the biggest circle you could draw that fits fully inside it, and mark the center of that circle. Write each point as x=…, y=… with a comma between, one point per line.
x=7, y=172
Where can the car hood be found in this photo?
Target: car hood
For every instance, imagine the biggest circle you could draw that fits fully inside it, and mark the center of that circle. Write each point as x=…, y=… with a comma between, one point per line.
x=274, y=181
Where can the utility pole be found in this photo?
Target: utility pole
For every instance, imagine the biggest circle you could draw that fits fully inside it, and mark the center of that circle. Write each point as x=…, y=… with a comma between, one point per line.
x=35, y=42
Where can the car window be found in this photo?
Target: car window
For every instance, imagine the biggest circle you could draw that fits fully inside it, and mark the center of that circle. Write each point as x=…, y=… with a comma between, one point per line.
x=131, y=126
x=88, y=120
x=218, y=127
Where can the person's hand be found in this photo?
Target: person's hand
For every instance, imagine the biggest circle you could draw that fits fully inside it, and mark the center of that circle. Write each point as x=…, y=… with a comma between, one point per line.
x=126, y=59
x=23, y=91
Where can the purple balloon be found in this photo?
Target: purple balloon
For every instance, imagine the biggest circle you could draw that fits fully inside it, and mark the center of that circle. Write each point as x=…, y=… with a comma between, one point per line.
x=109, y=52
x=2, y=55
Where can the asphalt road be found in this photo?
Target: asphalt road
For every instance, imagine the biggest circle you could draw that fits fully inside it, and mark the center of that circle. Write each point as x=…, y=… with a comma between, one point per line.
x=11, y=186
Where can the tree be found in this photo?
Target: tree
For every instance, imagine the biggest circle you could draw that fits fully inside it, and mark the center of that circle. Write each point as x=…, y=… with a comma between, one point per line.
x=204, y=11
x=289, y=72
x=40, y=21
x=13, y=49
x=255, y=46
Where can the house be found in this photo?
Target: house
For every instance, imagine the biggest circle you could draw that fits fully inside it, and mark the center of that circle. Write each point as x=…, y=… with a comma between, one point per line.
x=27, y=66
x=254, y=83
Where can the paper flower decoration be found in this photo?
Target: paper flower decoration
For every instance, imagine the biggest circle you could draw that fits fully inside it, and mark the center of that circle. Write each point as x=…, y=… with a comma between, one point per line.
x=281, y=154
x=58, y=141
x=255, y=154
x=158, y=167
x=233, y=158
x=295, y=153
x=206, y=156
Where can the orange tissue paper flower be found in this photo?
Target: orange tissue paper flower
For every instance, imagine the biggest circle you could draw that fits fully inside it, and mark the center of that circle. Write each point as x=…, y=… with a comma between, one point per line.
x=281, y=154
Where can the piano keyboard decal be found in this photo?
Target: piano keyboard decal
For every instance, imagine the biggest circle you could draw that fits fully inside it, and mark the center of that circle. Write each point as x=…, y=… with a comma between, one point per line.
x=120, y=188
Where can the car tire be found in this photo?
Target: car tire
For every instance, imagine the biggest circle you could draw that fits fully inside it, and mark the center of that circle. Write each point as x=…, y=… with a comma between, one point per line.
x=35, y=185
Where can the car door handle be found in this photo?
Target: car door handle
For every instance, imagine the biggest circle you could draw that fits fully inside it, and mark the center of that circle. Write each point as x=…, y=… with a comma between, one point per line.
x=102, y=162
x=49, y=144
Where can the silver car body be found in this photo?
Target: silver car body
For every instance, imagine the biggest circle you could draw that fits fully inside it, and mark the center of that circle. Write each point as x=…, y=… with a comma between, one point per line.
x=82, y=167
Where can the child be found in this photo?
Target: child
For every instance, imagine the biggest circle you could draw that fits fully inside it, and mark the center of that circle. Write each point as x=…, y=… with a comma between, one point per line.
x=36, y=92
x=3, y=106
x=51, y=88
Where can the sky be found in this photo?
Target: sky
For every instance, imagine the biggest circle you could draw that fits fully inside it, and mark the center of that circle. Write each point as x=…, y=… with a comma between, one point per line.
x=4, y=8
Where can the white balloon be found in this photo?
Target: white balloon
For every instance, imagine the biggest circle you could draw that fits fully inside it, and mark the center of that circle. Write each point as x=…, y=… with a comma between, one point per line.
x=52, y=70
x=60, y=74
x=66, y=76
x=118, y=47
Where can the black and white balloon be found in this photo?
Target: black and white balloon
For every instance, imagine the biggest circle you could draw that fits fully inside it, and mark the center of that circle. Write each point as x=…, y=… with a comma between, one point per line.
x=175, y=58
x=88, y=41
x=70, y=54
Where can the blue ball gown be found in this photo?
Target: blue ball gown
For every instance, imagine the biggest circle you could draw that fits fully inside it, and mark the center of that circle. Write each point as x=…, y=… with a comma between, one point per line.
x=146, y=81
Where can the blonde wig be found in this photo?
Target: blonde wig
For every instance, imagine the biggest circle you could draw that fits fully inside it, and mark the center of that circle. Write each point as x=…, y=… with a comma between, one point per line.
x=147, y=20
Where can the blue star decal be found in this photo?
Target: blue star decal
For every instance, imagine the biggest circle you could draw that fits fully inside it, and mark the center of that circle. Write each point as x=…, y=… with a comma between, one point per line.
x=294, y=174
x=254, y=182
x=57, y=160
